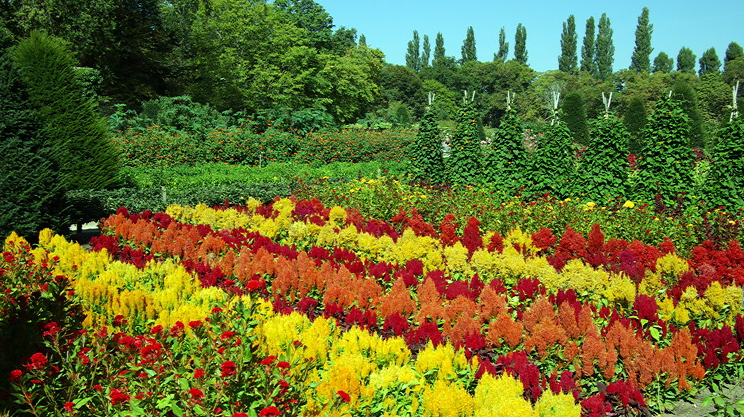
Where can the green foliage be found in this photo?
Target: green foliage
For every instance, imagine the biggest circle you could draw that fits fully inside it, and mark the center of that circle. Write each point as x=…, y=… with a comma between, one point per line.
x=605, y=49
x=685, y=94
x=301, y=122
x=413, y=53
x=465, y=157
x=709, y=63
x=725, y=182
x=663, y=63
x=503, y=51
x=439, y=51
x=425, y=52
x=520, y=44
x=574, y=115
x=635, y=120
x=426, y=156
x=468, y=47
x=552, y=165
x=641, y=59
x=402, y=84
x=733, y=51
x=567, y=61
x=31, y=197
x=77, y=136
x=686, y=61
x=180, y=114
x=588, y=52
x=666, y=162
x=603, y=171
x=505, y=160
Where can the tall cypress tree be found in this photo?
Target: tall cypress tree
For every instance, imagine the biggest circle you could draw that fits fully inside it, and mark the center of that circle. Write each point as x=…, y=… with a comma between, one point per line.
x=426, y=52
x=465, y=156
x=663, y=63
x=574, y=115
x=603, y=172
x=605, y=49
x=439, y=52
x=641, y=59
x=413, y=52
x=503, y=52
x=634, y=119
x=505, y=162
x=520, y=44
x=468, y=47
x=709, y=63
x=588, y=63
x=686, y=61
x=426, y=150
x=70, y=121
x=567, y=62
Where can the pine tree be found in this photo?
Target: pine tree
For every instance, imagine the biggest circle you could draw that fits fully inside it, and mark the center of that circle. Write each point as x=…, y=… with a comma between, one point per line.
x=588, y=63
x=426, y=53
x=574, y=115
x=503, y=52
x=666, y=165
x=70, y=121
x=362, y=40
x=552, y=165
x=663, y=63
x=709, y=63
x=439, y=53
x=605, y=49
x=505, y=162
x=641, y=59
x=733, y=51
x=567, y=62
x=724, y=185
x=603, y=171
x=468, y=47
x=31, y=197
x=413, y=58
x=685, y=95
x=520, y=44
x=426, y=150
x=686, y=61
x=635, y=120
x=465, y=157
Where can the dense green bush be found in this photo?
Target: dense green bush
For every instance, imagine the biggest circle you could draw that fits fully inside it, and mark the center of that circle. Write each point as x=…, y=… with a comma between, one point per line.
x=427, y=159
x=505, y=161
x=725, y=182
x=552, y=166
x=603, y=171
x=464, y=162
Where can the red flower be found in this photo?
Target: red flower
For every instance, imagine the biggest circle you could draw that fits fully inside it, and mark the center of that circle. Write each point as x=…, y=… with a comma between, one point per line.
x=68, y=406
x=195, y=324
x=157, y=329
x=118, y=397
x=50, y=329
x=15, y=374
x=227, y=335
x=196, y=393
x=269, y=412
x=269, y=360
x=344, y=396
x=119, y=320
x=228, y=368
x=38, y=362
x=198, y=373
x=283, y=365
x=240, y=415
x=98, y=387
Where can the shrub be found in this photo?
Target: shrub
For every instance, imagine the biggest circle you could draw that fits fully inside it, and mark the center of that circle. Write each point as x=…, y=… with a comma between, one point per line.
x=552, y=165
x=465, y=157
x=426, y=151
x=603, y=171
x=505, y=161
x=724, y=184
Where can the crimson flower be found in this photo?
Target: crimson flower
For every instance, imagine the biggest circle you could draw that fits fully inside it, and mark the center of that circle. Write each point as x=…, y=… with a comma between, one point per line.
x=344, y=396
x=228, y=368
x=198, y=373
x=283, y=365
x=269, y=360
x=240, y=415
x=118, y=396
x=194, y=324
x=68, y=406
x=196, y=393
x=15, y=374
x=50, y=329
x=269, y=412
x=157, y=329
x=38, y=362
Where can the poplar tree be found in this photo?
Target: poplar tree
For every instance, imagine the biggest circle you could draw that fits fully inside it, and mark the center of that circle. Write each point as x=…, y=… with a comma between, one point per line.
x=588, y=63
x=413, y=52
x=733, y=51
x=567, y=62
x=426, y=52
x=520, y=44
x=709, y=63
x=468, y=47
x=503, y=52
x=605, y=49
x=663, y=63
x=439, y=52
x=641, y=59
x=686, y=61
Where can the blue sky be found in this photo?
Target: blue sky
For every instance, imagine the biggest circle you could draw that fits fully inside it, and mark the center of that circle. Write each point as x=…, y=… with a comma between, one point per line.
x=388, y=25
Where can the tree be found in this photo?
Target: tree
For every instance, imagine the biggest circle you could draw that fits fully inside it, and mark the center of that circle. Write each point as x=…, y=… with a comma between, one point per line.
x=468, y=47
x=709, y=63
x=553, y=164
x=605, y=50
x=641, y=59
x=439, y=52
x=464, y=160
x=312, y=17
x=685, y=96
x=505, y=161
x=574, y=116
x=603, y=171
x=426, y=150
x=634, y=120
x=362, y=40
x=503, y=52
x=413, y=53
x=733, y=51
x=663, y=63
x=665, y=168
x=588, y=63
x=402, y=84
x=520, y=44
x=724, y=185
x=77, y=135
x=567, y=61
x=31, y=197
x=426, y=52
x=686, y=61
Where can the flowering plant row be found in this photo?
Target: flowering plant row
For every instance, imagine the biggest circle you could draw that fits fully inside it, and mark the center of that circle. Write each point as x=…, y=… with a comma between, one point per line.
x=639, y=304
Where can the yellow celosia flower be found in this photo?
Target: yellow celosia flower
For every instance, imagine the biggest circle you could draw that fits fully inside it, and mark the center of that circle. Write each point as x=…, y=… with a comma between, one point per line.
x=629, y=204
x=557, y=405
x=456, y=259
x=442, y=360
x=447, y=400
x=621, y=290
x=337, y=215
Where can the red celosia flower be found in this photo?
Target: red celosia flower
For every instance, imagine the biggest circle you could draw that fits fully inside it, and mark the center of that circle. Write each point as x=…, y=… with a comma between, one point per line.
x=269, y=412
x=228, y=368
x=118, y=397
x=195, y=324
x=38, y=362
x=157, y=329
x=227, y=335
x=15, y=374
x=240, y=415
x=198, y=373
x=196, y=393
x=68, y=406
x=344, y=396
x=269, y=360
x=283, y=365
x=119, y=320
x=98, y=387
x=50, y=329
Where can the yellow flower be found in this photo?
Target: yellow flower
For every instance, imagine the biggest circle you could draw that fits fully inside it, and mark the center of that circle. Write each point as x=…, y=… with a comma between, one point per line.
x=629, y=204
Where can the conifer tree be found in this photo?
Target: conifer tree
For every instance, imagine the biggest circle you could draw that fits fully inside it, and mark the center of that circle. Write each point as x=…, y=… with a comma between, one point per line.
x=685, y=95
x=666, y=165
x=663, y=63
x=574, y=115
x=505, y=162
x=552, y=165
x=634, y=120
x=567, y=62
x=362, y=40
x=724, y=185
x=426, y=52
x=464, y=162
x=605, y=49
x=641, y=59
x=588, y=62
x=426, y=150
x=78, y=136
x=439, y=52
x=603, y=171
x=520, y=44
x=468, y=47
x=733, y=51
x=503, y=52
x=413, y=53
x=686, y=61
x=709, y=63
